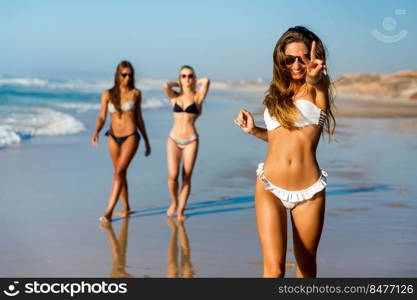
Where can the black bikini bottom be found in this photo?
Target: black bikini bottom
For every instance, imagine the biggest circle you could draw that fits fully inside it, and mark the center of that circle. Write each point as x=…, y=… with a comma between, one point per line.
x=121, y=139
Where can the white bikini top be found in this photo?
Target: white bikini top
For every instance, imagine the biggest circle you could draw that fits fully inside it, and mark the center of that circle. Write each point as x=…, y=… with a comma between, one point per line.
x=309, y=114
x=127, y=106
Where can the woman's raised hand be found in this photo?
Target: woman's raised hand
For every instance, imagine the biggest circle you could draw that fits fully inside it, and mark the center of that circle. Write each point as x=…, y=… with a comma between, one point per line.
x=245, y=121
x=315, y=67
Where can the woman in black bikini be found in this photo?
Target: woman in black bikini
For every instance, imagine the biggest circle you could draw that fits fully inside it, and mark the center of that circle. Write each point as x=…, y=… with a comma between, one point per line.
x=123, y=101
x=182, y=144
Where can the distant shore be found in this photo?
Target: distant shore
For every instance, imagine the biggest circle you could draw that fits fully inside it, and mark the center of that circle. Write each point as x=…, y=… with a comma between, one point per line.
x=350, y=105
x=359, y=106
x=359, y=95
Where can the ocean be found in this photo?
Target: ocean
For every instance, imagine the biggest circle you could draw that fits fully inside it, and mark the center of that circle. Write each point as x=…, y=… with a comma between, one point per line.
x=41, y=107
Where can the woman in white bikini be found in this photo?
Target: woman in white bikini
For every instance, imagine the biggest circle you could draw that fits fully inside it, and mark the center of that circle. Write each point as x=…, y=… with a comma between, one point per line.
x=182, y=144
x=123, y=101
x=298, y=104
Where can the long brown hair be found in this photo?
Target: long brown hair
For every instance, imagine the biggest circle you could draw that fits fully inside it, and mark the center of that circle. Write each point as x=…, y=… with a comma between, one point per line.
x=278, y=98
x=179, y=76
x=115, y=90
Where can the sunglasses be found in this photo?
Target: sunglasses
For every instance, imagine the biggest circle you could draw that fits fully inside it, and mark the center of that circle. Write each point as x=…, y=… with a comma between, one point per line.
x=187, y=76
x=126, y=74
x=290, y=59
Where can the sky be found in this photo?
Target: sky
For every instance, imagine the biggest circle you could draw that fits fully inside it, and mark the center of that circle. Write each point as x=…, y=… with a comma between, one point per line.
x=222, y=40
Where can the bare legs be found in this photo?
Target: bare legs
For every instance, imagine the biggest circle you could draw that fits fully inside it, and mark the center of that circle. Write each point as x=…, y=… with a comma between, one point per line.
x=307, y=222
x=174, y=156
x=173, y=160
x=121, y=157
x=271, y=219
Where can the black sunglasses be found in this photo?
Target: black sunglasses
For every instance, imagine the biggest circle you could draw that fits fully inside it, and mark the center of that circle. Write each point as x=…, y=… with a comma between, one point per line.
x=185, y=75
x=290, y=59
x=126, y=74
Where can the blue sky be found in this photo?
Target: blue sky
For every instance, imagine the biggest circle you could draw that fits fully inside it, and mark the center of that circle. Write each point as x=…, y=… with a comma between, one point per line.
x=221, y=39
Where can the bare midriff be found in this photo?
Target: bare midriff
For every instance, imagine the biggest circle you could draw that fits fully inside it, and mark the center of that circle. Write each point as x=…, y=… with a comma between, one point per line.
x=291, y=161
x=184, y=125
x=123, y=123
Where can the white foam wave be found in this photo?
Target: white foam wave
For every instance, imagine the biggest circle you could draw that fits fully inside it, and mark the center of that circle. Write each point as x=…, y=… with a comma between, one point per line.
x=152, y=102
x=26, y=82
x=8, y=136
x=92, y=85
x=78, y=107
x=38, y=122
x=73, y=85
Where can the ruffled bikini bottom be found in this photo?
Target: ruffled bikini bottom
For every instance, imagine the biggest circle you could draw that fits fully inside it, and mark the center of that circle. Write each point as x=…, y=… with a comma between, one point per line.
x=291, y=198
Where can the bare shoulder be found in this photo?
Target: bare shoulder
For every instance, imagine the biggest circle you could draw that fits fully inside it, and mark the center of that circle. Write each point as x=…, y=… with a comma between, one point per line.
x=106, y=93
x=105, y=96
x=137, y=93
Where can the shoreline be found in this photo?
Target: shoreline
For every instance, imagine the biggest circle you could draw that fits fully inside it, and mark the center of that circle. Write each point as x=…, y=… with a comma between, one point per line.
x=356, y=106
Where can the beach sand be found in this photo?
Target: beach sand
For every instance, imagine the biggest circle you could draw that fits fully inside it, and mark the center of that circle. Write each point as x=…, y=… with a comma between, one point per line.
x=55, y=188
x=371, y=107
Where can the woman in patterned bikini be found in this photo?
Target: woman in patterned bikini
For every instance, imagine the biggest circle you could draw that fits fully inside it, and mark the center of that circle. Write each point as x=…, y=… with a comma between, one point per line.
x=123, y=101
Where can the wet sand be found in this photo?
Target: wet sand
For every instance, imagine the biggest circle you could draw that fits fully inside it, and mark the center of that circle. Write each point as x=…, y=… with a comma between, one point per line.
x=356, y=106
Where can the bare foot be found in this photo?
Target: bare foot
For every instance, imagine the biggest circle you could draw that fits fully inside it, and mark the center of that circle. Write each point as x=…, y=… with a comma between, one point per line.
x=171, y=210
x=105, y=220
x=181, y=217
x=124, y=214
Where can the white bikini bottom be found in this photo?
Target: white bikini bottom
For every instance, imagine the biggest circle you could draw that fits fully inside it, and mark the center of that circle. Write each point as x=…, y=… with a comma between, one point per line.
x=291, y=198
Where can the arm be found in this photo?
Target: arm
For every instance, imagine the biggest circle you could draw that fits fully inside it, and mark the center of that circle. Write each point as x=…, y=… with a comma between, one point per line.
x=205, y=84
x=247, y=124
x=260, y=133
x=317, y=78
x=141, y=123
x=168, y=89
x=322, y=92
x=101, y=119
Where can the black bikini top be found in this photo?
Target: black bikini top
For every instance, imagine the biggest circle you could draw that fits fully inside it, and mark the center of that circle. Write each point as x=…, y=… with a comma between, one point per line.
x=191, y=109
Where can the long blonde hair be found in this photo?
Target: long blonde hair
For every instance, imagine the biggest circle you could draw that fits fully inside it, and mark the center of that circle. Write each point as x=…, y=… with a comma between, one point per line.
x=278, y=98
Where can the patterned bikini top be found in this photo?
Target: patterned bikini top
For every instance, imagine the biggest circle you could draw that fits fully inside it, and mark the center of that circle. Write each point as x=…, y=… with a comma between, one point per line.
x=309, y=114
x=127, y=106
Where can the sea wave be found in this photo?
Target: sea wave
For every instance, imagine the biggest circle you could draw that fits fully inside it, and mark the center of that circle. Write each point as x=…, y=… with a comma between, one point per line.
x=8, y=136
x=73, y=85
x=92, y=85
x=154, y=102
x=80, y=107
x=37, y=122
x=98, y=85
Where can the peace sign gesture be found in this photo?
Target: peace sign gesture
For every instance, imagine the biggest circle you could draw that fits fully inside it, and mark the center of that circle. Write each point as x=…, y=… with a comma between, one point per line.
x=315, y=67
